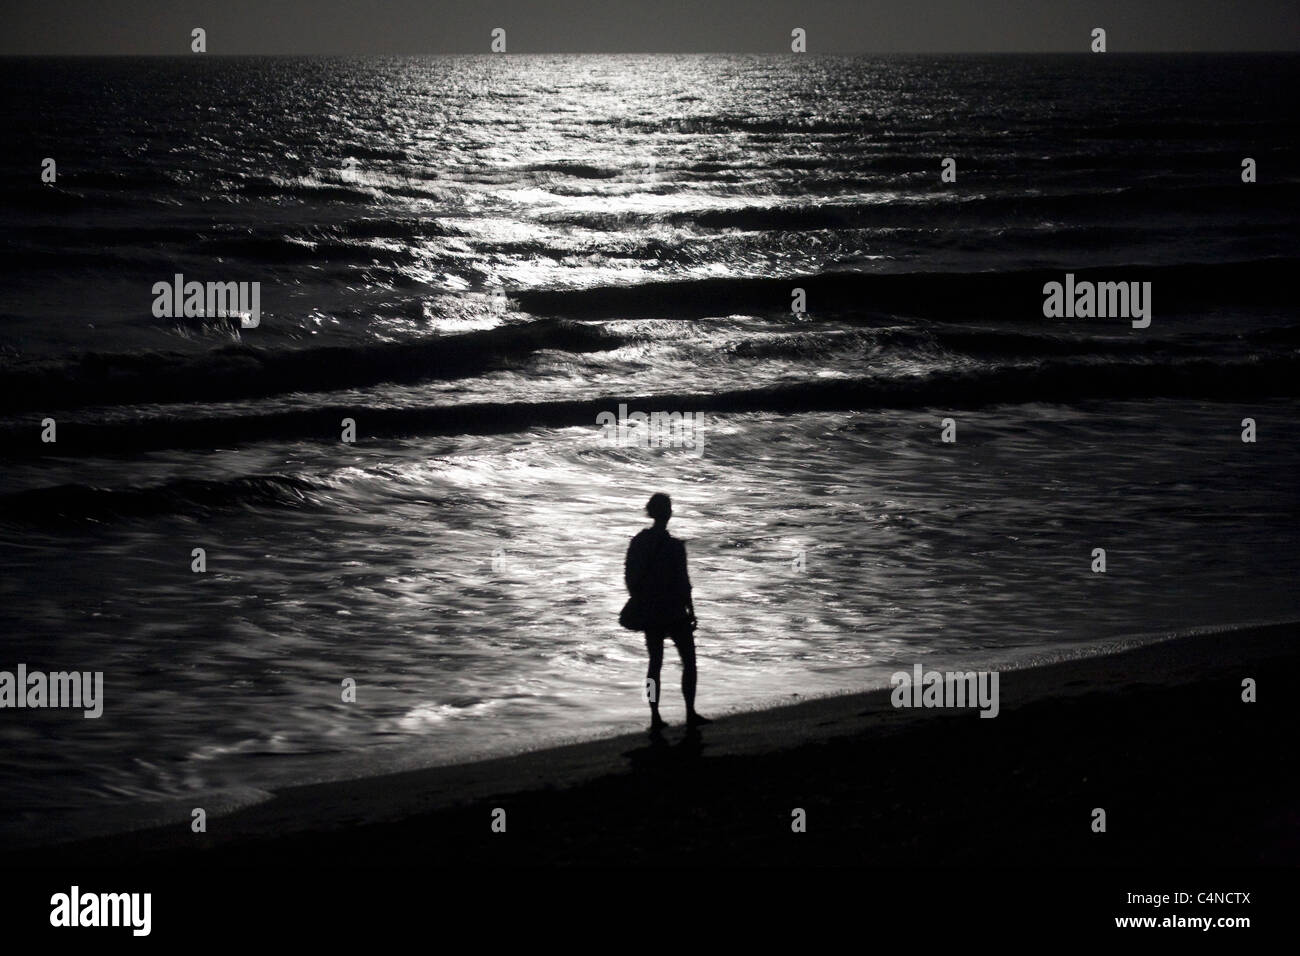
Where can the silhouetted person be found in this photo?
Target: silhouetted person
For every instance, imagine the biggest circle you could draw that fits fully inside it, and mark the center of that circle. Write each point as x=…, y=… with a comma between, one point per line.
x=655, y=574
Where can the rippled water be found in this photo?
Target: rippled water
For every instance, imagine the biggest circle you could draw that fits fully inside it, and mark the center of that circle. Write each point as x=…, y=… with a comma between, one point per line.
x=646, y=219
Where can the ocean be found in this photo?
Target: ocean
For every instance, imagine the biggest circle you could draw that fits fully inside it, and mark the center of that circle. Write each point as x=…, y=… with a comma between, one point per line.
x=473, y=258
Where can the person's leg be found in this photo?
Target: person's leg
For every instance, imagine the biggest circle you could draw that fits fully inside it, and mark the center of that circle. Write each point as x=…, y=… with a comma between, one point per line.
x=685, y=642
x=654, y=642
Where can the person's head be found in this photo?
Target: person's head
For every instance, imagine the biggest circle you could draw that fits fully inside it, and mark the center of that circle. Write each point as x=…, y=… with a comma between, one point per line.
x=660, y=508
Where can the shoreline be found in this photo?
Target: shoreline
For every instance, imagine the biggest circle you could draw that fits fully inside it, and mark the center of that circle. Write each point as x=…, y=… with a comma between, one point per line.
x=1155, y=715
x=120, y=819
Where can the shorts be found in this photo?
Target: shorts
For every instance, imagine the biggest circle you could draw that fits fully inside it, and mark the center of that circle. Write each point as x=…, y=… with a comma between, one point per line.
x=681, y=634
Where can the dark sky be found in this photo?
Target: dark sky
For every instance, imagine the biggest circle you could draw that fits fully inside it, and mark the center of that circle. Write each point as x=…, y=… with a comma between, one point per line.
x=612, y=26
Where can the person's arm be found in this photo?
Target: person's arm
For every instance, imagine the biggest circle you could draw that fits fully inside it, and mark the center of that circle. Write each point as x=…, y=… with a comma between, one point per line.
x=686, y=576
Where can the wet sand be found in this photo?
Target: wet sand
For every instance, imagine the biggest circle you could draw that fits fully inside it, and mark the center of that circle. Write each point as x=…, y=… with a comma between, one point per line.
x=1158, y=736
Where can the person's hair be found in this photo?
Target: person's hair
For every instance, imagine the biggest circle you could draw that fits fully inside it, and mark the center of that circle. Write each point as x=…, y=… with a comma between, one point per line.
x=659, y=506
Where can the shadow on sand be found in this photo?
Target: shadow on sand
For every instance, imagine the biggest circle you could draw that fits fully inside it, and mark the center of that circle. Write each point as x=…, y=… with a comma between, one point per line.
x=662, y=753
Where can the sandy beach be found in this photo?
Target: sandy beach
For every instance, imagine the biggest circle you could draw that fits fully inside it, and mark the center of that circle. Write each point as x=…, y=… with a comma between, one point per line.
x=1158, y=736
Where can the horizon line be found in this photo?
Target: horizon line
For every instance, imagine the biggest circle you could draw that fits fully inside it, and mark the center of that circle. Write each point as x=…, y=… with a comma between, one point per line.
x=1209, y=52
